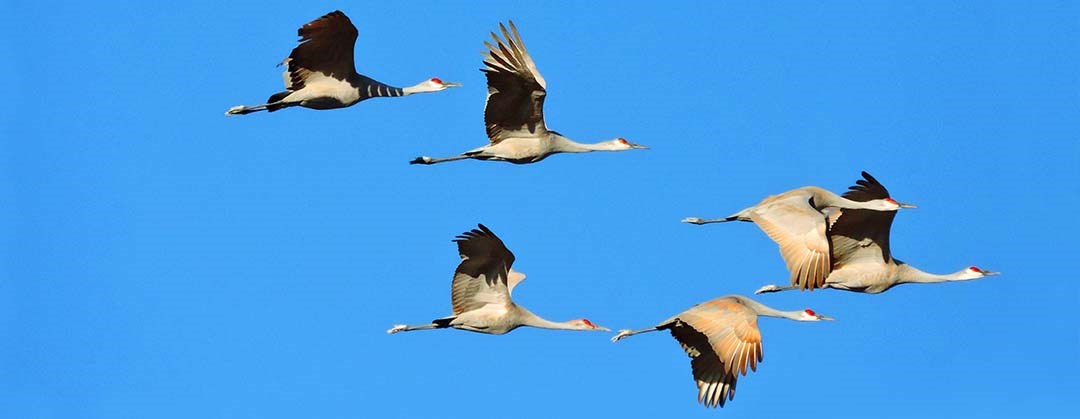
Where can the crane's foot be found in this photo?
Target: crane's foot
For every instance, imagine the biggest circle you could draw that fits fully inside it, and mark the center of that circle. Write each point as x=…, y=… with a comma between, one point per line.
x=768, y=288
x=693, y=220
x=421, y=160
x=397, y=328
x=236, y=110
x=622, y=334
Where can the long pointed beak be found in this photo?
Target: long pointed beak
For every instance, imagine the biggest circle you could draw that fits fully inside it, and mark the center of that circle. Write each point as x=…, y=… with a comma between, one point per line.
x=903, y=205
x=451, y=84
x=601, y=328
x=826, y=318
x=632, y=145
x=991, y=273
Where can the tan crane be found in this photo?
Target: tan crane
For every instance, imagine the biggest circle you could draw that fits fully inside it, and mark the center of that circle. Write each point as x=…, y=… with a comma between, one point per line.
x=721, y=337
x=859, y=249
x=514, y=112
x=796, y=221
x=481, y=290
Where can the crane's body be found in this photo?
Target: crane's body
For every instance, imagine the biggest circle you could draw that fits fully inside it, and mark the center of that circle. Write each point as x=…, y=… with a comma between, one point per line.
x=798, y=221
x=722, y=339
x=320, y=72
x=859, y=253
x=481, y=291
x=514, y=112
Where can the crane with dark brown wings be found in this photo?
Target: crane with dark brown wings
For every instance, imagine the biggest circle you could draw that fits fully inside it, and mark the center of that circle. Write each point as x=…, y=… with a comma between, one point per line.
x=321, y=73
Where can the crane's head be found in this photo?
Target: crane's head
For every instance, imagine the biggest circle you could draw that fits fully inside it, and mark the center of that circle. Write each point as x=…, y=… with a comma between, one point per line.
x=809, y=315
x=889, y=204
x=434, y=84
x=585, y=324
x=973, y=272
x=621, y=144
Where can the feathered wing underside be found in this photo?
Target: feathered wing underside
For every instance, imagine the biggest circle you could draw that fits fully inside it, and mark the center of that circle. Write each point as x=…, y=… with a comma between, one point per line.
x=800, y=231
x=325, y=50
x=722, y=339
x=483, y=274
x=516, y=90
x=862, y=235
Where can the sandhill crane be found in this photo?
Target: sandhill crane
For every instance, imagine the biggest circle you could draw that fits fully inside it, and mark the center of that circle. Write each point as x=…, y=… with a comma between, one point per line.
x=480, y=294
x=722, y=339
x=859, y=249
x=796, y=221
x=514, y=113
x=321, y=73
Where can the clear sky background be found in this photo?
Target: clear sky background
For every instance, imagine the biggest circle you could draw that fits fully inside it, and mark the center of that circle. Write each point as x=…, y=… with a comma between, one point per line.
x=161, y=260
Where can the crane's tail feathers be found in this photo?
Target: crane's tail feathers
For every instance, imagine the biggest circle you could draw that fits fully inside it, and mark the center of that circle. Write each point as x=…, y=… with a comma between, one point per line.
x=275, y=101
x=443, y=322
x=277, y=97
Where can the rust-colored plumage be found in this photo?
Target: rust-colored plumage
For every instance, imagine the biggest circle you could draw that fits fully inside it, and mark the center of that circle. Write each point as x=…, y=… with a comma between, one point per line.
x=722, y=339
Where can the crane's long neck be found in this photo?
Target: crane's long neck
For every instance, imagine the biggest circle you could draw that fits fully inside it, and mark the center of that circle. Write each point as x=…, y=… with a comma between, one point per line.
x=764, y=310
x=532, y=320
x=907, y=274
x=370, y=88
x=566, y=145
x=421, y=87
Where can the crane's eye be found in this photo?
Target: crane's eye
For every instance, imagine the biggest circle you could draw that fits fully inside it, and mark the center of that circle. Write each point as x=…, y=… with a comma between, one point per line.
x=810, y=312
x=436, y=80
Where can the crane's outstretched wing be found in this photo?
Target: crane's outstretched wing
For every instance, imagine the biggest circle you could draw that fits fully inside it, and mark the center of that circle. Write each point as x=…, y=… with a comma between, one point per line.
x=483, y=274
x=799, y=230
x=325, y=50
x=516, y=90
x=862, y=235
x=722, y=339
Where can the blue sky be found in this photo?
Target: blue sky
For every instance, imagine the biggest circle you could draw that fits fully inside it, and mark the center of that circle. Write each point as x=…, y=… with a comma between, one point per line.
x=162, y=260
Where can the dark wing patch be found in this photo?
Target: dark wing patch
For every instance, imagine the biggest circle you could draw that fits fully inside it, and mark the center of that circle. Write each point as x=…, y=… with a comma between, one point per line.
x=483, y=253
x=516, y=91
x=866, y=189
x=716, y=385
x=860, y=225
x=326, y=46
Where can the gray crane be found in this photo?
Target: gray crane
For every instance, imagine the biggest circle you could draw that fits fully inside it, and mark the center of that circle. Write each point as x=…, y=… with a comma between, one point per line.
x=796, y=221
x=481, y=290
x=514, y=112
x=322, y=75
x=723, y=341
x=859, y=249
